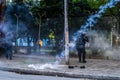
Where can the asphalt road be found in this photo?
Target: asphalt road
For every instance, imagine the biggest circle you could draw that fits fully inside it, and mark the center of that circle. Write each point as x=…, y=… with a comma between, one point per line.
x=14, y=76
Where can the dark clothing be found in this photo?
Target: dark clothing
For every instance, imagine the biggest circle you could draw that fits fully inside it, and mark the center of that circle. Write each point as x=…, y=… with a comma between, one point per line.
x=6, y=44
x=60, y=47
x=8, y=51
x=80, y=46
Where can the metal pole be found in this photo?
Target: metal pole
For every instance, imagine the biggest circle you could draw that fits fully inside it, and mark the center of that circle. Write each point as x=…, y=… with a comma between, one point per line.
x=16, y=27
x=39, y=29
x=39, y=32
x=16, y=35
x=111, y=37
x=66, y=33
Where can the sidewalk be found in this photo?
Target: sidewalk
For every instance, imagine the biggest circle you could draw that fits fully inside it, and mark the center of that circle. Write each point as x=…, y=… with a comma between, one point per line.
x=94, y=68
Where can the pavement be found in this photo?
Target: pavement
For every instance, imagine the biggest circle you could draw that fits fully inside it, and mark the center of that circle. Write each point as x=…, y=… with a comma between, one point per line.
x=95, y=69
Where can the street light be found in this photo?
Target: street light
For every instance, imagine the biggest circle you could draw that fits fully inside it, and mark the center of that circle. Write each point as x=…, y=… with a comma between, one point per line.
x=39, y=28
x=112, y=37
x=17, y=25
x=16, y=32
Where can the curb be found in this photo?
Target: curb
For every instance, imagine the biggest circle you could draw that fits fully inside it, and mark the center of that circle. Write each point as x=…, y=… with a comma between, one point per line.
x=57, y=73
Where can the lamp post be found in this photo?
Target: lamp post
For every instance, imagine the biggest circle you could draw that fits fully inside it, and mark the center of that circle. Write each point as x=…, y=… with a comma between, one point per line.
x=39, y=28
x=66, y=33
x=112, y=37
x=16, y=36
x=17, y=25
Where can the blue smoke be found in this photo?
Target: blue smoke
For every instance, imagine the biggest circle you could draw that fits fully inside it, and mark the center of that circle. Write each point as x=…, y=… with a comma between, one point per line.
x=93, y=18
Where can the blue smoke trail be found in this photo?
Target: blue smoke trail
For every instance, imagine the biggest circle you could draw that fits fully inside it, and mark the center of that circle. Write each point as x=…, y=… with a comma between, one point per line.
x=93, y=18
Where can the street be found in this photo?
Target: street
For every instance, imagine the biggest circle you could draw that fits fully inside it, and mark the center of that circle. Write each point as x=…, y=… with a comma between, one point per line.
x=13, y=76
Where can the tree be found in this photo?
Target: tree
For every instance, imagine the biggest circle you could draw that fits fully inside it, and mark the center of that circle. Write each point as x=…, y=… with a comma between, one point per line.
x=2, y=11
x=38, y=13
x=18, y=14
x=78, y=8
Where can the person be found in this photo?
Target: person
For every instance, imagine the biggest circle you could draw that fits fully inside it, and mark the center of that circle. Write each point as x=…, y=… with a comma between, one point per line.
x=60, y=46
x=8, y=51
x=80, y=46
x=40, y=43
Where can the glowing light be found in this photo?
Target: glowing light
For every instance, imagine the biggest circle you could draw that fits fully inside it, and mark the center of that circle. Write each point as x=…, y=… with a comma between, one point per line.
x=10, y=1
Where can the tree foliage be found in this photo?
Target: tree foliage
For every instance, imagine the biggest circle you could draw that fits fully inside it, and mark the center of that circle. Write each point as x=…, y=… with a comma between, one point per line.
x=51, y=14
x=18, y=11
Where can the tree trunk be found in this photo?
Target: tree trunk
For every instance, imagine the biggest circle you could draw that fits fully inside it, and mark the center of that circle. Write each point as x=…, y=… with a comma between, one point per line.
x=2, y=11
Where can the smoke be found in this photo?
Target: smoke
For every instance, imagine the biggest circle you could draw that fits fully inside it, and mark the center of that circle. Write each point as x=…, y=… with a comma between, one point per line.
x=102, y=45
x=59, y=57
x=100, y=41
x=112, y=54
x=93, y=18
x=17, y=21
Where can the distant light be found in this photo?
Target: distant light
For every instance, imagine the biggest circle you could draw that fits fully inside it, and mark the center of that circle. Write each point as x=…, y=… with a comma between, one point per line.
x=10, y=0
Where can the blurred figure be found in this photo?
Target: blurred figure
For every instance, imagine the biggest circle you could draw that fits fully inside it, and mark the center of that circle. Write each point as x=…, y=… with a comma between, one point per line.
x=40, y=43
x=8, y=51
x=80, y=46
x=60, y=47
x=6, y=44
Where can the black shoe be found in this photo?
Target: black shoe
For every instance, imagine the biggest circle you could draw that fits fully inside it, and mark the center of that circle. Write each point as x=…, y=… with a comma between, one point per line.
x=82, y=67
x=71, y=67
x=84, y=61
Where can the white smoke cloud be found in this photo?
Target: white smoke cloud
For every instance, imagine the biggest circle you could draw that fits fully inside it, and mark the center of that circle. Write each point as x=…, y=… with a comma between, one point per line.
x=102, y=44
